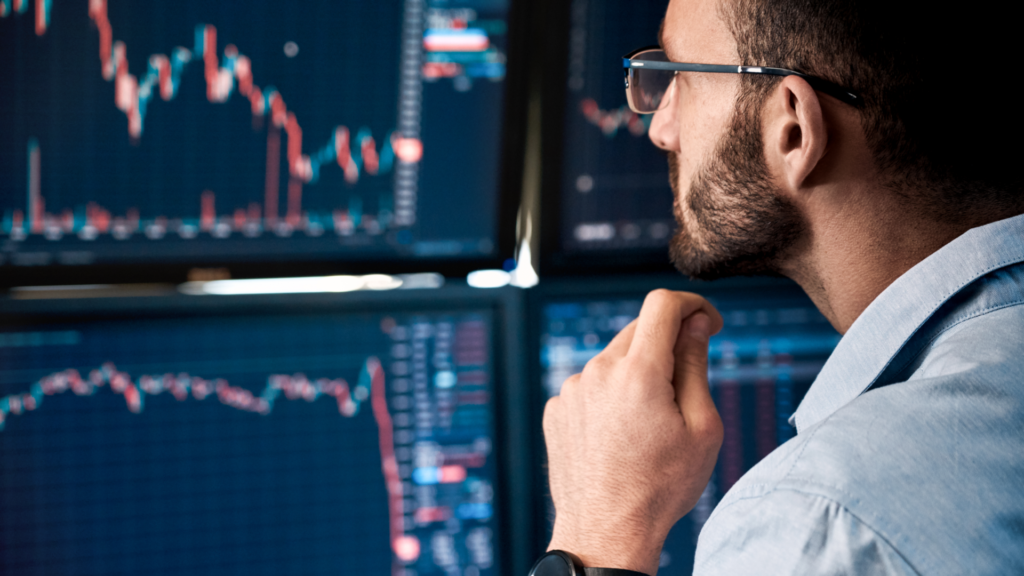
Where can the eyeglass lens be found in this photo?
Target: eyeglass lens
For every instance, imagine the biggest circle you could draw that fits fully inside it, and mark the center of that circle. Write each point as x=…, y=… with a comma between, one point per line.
x=645, y=89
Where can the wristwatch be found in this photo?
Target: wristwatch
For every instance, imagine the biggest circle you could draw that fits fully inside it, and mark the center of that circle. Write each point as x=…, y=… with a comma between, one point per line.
x=562, y=563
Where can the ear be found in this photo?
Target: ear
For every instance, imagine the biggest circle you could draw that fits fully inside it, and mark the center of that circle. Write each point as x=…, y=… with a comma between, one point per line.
x=796, y=136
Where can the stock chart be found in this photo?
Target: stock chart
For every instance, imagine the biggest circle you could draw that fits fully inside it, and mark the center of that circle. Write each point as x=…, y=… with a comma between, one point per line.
x=357, y=443
x=760, y=366
x=249, y=130
x=614, y=189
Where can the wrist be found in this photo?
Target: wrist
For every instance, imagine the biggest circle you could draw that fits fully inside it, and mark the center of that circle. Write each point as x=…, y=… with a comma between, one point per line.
x=624, y=550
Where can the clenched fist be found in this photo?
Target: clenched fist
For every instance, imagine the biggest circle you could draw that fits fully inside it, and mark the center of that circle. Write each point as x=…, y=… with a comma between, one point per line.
x=632, y=441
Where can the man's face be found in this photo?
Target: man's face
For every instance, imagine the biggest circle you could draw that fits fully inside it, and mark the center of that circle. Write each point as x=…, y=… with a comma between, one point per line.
x=732, y=219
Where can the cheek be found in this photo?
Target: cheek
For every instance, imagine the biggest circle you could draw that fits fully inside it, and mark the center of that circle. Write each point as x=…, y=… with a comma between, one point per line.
x=689, y=140
x=704, y=113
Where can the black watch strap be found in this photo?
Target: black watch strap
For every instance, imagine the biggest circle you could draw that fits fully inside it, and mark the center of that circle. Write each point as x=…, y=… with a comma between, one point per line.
x=562, y=563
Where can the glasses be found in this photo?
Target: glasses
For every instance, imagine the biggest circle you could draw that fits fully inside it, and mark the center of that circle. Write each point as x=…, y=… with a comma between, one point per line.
x=649, y=73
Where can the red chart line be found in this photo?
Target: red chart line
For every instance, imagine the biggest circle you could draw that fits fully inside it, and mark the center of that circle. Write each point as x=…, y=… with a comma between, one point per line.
x=405, y=547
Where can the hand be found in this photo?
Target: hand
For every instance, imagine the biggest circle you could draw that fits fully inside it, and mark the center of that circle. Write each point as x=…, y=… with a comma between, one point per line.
x=632, y=441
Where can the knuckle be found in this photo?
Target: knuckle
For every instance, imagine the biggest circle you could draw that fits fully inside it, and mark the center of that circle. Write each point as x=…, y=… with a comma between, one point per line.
x=594, y=368
x=569, y=386
x=665, y=298
x=708, y=428
x=551, y=410
x=659, y=298
x=636, y=365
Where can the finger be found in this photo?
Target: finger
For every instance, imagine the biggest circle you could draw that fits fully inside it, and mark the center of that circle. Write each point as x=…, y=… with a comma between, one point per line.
x=690, y=377
x=660, y=320
x=619, y=345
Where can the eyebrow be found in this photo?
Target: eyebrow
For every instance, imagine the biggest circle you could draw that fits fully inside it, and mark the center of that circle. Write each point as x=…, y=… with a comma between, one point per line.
x=661, y=40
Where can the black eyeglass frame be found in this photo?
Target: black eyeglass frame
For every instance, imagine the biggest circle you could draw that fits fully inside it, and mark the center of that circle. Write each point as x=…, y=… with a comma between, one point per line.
x=819, y=84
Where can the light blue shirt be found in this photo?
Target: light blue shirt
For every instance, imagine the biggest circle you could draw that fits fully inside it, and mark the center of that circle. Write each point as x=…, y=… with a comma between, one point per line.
x=909, y=457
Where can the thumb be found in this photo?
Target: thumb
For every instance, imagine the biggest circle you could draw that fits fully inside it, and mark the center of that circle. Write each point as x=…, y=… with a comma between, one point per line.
x=690, y=377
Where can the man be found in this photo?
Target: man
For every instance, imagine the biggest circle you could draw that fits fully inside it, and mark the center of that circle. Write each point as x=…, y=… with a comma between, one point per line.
x=878, y=179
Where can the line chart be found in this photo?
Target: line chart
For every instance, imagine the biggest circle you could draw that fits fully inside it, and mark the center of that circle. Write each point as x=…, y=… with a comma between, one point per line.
x=369, y=387
x=356, y=152
x=182, y=386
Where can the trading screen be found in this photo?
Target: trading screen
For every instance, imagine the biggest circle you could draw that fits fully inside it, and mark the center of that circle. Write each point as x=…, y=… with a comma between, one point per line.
x=326, y=443
x=760, y=365
x=614, y=189
x=249, y=130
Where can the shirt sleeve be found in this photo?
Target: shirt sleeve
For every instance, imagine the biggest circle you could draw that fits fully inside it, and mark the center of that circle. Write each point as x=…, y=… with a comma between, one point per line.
x=793, y=533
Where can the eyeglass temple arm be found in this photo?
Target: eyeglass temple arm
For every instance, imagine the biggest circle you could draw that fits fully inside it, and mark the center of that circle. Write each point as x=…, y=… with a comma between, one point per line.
x=819, y=84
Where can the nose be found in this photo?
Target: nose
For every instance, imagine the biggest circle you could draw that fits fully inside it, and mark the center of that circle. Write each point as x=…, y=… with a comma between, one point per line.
x=664, y=131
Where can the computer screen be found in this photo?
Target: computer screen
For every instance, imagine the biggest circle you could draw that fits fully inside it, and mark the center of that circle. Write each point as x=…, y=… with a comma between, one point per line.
x=761, y=364
x=261, y=440
x=610, y=195
x=249, y=131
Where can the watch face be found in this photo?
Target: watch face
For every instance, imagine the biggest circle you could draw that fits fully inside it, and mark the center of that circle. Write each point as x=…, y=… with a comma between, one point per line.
x=552, y=565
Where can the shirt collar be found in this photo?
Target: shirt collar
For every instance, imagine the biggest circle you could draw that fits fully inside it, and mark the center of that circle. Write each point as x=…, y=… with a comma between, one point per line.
x=879, y=333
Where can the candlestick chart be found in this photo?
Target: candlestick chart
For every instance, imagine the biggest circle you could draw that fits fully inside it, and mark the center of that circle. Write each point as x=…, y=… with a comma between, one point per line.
x=247, y=128
x=319, y=444
x=760, y=366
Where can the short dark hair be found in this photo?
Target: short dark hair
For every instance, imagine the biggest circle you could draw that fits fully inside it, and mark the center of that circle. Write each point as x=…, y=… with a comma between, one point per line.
x=954, y=152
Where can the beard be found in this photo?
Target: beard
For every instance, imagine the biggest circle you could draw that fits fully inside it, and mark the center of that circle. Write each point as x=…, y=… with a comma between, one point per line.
x=734, y=221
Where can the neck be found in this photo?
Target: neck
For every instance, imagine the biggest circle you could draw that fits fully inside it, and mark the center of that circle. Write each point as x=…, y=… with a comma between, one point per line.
x=850, y=255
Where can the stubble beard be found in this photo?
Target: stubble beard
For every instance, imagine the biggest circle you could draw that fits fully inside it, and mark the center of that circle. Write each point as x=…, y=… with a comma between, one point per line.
x=736, y=221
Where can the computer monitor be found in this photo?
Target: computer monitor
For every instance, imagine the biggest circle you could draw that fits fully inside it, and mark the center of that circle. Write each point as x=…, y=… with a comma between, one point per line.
x=143, y=139
x=607, y=199
x=761, y=364
x=316, y=435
